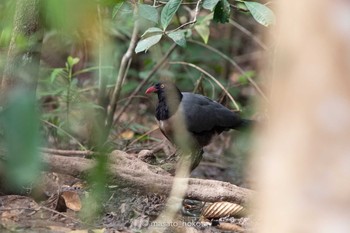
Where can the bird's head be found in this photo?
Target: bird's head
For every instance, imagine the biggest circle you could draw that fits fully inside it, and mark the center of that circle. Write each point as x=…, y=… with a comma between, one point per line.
x=165, y=90
x=157, y=88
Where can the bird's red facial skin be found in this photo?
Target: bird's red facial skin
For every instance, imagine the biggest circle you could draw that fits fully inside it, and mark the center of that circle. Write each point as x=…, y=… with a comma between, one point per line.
x=151, y=90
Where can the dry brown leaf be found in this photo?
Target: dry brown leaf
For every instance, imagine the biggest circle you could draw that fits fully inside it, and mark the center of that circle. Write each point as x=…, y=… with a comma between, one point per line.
x=222, y=209
x=127, y=135
x=72, y=200
x=230, y=227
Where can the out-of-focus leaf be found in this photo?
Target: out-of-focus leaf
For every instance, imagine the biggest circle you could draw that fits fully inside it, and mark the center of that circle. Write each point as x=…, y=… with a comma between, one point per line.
x=148, y=12
x=55, y=73
x=68, y=15
x=178, y=37
x=168, y=12
x=202, y=27
x=127, y=135
x=210, y=4
x=241, y=6
x=72, y=61
x=203, y=31
x=243, y=79
x=145, y=44
x=20, y=122
x=222, y=12
x=261, y=13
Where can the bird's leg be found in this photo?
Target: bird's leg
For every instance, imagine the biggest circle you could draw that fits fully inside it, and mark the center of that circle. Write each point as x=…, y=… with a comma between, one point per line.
x=193, y=158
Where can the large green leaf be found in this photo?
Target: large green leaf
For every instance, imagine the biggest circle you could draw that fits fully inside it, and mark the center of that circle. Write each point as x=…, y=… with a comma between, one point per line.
x=203, y=31
x=145, y=44
x=261, y=13
x=178, y=37
x=222, y=12
x=168, y=12
x=202, y=27
x=210, y=4
x=148, y=12
x=152, y=30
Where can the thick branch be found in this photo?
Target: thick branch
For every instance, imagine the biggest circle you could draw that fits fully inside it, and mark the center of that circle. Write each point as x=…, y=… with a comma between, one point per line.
x=123, y=69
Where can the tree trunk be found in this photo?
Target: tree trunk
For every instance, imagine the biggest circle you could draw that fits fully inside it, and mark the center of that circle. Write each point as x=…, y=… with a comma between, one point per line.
x=303, y=166
x=22, y=65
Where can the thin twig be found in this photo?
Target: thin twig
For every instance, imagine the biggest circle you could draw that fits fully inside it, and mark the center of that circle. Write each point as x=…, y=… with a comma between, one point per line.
x=65, y=132
x=141, y=136
x=191, y=22
x=67, y=152
x=144, y=81
x=212, y=77
x=102, y=82
x=64, y=215
x=248, y=33
x=123, y=69
x=241, y=70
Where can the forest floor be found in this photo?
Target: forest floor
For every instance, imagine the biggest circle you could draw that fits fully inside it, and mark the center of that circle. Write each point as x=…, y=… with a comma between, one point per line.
x=57, y=209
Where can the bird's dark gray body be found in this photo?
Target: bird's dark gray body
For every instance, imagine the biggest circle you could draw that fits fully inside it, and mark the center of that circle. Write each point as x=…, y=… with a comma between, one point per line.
x=202, y=116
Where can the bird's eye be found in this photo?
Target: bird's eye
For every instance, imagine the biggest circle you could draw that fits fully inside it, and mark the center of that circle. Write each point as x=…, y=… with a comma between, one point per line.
x=162, y=86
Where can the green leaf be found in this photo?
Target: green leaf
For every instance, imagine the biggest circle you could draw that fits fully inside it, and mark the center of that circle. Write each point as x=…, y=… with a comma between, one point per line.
x=261, y=13
x=210, y=4
x=148, y=12
x=203, y=31
x=243, y=79
x=202, y=27
x=240, y=6
x=222, y=12
x=168, y=12
x=55, y=73
x=72, y=61
x=152, y=30
x=178, y=37
x=145, y=44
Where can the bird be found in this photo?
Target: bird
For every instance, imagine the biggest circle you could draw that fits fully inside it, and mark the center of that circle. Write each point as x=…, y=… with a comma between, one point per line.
x=203, y=117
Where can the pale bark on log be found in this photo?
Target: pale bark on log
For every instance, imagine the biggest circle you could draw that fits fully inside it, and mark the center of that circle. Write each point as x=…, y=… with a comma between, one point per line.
x=128, y=171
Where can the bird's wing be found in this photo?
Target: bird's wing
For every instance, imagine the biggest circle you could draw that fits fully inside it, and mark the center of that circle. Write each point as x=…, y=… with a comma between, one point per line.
x=203, y=114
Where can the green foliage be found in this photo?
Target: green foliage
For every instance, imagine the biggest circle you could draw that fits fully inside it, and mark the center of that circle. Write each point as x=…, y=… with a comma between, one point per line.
x=148, y=12
x=145, y=44
x=20, y=122
x=67, y=15
x=178, y=37
x=202, y=27
x=168, y=12
x=210, y=4
x=261, y=13
x=243, y=79
x=222, y=12
x=152, y=30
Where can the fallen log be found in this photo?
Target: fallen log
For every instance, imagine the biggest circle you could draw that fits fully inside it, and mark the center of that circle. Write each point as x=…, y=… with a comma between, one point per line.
x=128, y=171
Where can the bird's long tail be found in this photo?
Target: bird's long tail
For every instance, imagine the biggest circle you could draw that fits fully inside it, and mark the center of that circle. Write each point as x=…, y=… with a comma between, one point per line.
x=245, y=124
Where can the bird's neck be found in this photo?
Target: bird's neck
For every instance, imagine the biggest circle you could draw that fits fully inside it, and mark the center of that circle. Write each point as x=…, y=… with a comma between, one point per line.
x=168, y=103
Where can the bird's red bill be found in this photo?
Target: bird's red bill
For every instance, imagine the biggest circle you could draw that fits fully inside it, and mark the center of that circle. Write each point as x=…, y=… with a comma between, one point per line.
x=151, y=90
